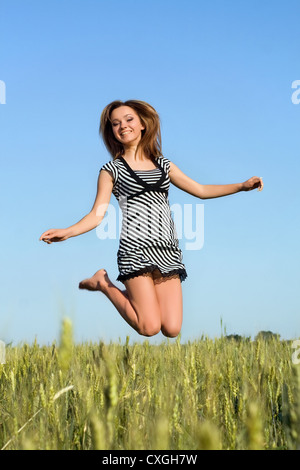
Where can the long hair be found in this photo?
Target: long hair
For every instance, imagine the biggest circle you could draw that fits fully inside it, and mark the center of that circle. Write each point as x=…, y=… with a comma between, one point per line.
x=150, y=142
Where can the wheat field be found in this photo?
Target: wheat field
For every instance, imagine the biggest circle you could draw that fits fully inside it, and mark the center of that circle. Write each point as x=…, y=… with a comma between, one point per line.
x=222, y=393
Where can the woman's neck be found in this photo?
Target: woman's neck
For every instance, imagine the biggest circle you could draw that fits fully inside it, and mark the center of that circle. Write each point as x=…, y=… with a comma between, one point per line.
x=139, y=157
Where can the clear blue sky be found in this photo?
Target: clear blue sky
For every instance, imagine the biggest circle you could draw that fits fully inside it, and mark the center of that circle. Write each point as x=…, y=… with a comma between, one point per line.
x=220, y=76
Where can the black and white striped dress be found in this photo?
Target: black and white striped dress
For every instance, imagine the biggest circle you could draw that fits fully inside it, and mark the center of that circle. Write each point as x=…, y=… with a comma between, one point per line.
x=148, y=238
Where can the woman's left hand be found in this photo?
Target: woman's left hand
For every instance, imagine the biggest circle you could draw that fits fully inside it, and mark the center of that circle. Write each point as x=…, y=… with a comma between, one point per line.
x=252, y=183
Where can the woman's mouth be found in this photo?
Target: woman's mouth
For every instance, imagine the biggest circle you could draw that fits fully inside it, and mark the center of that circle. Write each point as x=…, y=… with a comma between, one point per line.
x=125, y=132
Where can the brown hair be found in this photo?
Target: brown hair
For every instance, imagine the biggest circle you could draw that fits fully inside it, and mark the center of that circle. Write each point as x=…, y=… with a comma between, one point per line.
x=150, y=142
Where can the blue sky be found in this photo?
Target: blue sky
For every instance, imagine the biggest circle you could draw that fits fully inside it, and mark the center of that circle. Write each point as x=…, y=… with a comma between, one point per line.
x=220, y=76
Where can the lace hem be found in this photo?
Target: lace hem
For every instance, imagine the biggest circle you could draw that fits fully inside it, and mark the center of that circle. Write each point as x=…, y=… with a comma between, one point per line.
x=149, y=269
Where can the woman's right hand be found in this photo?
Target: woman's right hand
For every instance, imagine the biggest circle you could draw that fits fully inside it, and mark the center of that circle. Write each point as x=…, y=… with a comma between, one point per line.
x=55, y=235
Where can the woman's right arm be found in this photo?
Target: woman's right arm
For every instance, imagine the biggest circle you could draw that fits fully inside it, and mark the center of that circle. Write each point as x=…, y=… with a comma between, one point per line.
x=91, y=220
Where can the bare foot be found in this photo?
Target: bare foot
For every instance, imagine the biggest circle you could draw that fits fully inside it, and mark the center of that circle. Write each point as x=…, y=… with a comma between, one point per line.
x=97, y=282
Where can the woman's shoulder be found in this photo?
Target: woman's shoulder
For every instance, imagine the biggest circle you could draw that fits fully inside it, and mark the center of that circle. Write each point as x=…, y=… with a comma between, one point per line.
x=113, y=167
x=165, y=162
x=164, y=159
x=111, y=164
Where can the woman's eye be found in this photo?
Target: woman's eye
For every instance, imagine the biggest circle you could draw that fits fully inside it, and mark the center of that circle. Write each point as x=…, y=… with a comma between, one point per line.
x=116, y=123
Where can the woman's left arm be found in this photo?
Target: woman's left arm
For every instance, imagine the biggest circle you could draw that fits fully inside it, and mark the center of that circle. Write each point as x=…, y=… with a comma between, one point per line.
x=208, y=191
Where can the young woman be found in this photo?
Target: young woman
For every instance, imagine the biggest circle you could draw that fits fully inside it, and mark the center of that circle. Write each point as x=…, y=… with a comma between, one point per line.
x=149, y=258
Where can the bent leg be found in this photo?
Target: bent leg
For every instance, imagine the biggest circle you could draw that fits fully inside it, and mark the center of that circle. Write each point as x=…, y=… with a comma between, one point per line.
x=169, y=295
x=143, y=300
x=138, y=304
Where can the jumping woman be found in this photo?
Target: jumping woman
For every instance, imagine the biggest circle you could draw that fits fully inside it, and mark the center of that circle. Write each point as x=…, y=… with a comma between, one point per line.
x=149, y=258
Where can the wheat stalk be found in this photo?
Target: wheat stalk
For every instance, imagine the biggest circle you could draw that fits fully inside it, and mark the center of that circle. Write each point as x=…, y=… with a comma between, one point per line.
x=56, y=396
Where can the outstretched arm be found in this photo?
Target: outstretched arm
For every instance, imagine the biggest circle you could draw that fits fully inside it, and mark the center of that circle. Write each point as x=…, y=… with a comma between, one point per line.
x=208, y=191
x=89, y=221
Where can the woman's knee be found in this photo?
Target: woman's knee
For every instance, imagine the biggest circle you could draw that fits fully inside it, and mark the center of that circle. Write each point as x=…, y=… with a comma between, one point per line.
x=171, y=331
x=150, y=328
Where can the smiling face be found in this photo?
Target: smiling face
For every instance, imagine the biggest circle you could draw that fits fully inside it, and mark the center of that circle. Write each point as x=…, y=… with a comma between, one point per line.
x=126, y=125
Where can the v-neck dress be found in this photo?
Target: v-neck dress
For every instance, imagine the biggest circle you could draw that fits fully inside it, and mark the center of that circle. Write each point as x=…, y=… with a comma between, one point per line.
x=148, y=238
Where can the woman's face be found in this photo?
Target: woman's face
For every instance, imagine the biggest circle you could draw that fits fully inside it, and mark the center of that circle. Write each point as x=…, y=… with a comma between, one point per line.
x=126, y=125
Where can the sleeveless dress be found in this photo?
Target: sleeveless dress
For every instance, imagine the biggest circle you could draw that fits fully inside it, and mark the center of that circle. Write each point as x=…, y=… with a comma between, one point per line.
x=148, y=238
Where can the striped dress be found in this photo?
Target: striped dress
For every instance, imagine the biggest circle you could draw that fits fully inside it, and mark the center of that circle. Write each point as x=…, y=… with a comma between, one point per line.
x=148, y=238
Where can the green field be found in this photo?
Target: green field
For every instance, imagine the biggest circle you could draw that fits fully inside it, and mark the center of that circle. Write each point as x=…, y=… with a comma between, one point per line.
x=222, y=393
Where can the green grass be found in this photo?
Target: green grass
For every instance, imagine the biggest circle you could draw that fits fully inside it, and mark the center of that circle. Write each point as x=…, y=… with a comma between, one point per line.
x=205, y=394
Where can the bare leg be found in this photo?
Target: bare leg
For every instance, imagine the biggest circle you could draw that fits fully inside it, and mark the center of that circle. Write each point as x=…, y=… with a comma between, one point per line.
x=138, y=304
x=169, y=294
